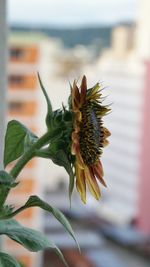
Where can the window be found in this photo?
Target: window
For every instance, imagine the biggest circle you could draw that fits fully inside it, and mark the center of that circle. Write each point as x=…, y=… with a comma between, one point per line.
x=15, y=106
x=16, y=79
x=20, y=108
x=16, y=53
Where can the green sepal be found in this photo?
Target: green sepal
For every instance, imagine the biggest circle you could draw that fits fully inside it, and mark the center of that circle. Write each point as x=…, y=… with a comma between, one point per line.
x=5, y=211
x=67, y=116
x=49, y=119
x=29, y=140
x=6, y=180
x=57, y=117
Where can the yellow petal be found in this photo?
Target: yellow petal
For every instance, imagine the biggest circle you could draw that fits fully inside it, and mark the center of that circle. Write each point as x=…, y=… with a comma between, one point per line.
x=79, y=160
x=105, y=143
x=106, y=132
x=73, y=149
x=98, y=172
x=92, y=184
x=83, y=89
x=78, y=115
x=75, y=95
x=99, y=168
x=80, y=183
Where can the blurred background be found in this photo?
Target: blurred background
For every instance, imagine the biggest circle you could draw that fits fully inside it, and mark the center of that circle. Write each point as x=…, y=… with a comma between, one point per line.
x=109, y=42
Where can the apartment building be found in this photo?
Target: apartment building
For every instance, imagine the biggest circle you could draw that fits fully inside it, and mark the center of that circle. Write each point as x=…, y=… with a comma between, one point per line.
x=27, y=55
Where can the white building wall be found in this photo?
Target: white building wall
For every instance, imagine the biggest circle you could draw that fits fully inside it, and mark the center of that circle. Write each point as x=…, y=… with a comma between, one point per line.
x=119, y=202
x=143, y=29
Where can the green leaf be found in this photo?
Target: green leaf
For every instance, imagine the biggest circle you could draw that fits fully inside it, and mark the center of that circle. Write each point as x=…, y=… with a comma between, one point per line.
x=31, y=239
x=71, y=185
x=60, y=158
x=49, y=105
x=35, y=201
x=7, y=261
x=15, y=141
x=6, y=180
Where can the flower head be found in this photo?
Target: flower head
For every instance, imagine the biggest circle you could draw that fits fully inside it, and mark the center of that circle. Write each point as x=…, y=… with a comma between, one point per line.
x=89, y=136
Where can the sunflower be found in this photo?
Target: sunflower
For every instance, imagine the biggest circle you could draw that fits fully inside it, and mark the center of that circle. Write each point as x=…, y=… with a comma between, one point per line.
x=88, y=137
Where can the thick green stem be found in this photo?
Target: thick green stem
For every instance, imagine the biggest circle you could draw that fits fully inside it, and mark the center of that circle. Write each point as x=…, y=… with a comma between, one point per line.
x=3, y=194
x=30, y=154
x=27, y=156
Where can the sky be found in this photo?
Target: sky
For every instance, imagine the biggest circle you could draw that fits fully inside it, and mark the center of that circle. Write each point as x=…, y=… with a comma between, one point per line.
x=66, y=13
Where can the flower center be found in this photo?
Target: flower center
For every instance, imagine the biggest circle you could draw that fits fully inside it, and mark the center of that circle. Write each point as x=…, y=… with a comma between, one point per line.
x=90, y=134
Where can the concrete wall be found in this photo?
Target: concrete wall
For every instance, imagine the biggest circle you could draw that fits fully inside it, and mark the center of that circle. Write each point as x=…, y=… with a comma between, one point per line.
x=3, y=59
